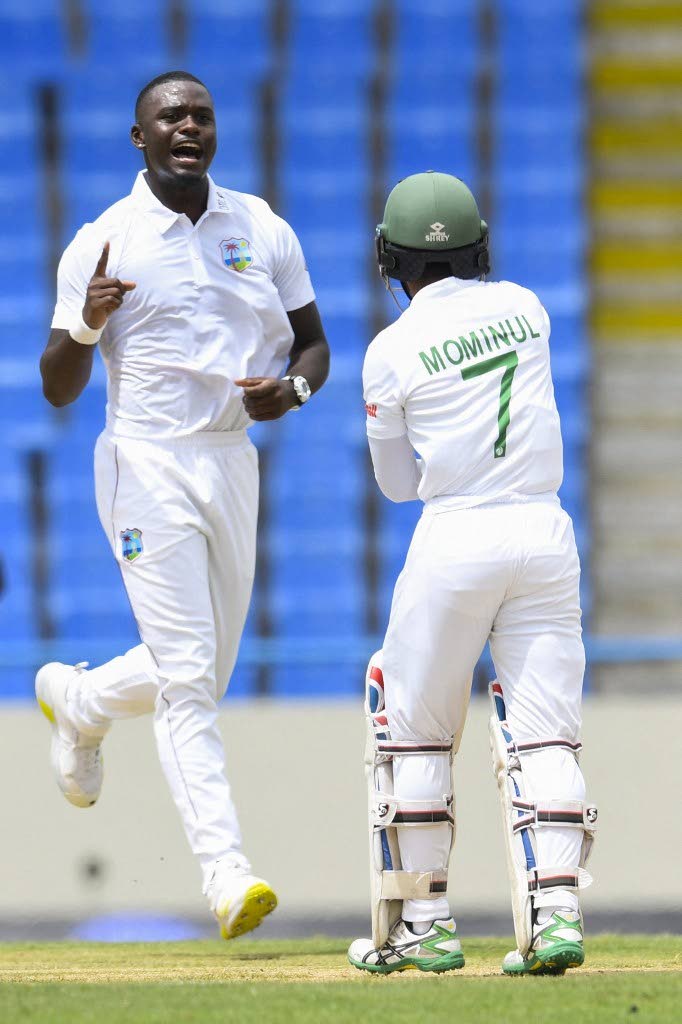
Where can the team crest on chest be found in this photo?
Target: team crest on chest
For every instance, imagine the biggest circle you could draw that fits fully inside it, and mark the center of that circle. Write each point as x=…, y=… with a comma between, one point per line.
x=236, y=253
x=131, y=541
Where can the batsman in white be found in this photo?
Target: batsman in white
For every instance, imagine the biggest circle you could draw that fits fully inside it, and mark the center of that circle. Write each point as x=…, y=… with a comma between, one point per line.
x=199, y=298
x=463, y=379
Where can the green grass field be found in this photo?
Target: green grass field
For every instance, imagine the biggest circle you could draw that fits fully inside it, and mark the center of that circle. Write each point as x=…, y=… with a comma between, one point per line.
x=633, y=978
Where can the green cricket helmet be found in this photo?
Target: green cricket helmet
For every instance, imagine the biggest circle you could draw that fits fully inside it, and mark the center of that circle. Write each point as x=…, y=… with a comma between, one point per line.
x=431, y=218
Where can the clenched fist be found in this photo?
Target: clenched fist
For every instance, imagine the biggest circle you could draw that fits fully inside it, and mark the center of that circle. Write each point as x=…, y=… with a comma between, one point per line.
x=267, y=398
x=104, y=294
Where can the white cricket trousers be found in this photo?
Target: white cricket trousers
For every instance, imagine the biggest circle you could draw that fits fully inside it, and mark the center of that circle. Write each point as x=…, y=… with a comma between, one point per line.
x=508, y=573
x=195, y=503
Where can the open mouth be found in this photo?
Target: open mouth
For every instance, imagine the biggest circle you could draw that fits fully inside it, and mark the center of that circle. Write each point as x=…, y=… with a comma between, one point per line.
x=187, y=152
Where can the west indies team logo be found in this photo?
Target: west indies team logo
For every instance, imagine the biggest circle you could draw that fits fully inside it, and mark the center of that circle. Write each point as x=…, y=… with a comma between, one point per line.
x=236, y=253
x=132, y=544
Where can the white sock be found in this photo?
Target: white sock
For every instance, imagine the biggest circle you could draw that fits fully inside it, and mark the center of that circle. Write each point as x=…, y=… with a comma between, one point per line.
x=545, y=913
x=419, y=927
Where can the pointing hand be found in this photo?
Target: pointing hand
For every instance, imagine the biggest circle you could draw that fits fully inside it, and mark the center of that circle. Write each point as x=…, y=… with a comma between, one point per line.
x=105, y=294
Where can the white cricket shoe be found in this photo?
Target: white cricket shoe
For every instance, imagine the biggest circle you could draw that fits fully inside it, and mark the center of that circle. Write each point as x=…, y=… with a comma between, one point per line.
x=76, y=757
x=437, y=951
x=557, y=945
x=239, y=901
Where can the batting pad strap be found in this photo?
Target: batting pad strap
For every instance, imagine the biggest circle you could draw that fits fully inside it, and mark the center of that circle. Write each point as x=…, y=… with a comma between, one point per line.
x=413, y=885
x=561, y=813
x=554, y=877
x=403, y=748
x=388, y=810
x=551, y=744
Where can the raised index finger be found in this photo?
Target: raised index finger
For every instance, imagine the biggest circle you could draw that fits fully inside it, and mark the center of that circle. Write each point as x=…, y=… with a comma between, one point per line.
x=101, y=268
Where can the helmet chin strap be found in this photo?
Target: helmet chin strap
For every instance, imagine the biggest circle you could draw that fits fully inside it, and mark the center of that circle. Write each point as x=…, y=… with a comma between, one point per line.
x=389, y=288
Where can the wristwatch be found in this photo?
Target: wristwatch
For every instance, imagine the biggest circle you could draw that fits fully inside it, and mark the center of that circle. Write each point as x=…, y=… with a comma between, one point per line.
x=301, y=390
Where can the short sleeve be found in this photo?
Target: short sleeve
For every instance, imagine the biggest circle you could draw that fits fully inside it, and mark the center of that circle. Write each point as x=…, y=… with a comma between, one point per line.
x=383, y=402
x=76, y=267
x=290, y=273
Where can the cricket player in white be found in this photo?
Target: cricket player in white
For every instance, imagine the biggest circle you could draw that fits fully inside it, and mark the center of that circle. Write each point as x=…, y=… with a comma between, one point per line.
x=199, y=297
x=463, y=379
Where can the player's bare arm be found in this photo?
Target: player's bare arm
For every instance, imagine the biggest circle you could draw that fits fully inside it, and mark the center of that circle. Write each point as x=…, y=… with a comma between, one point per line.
x=268, y=398
x=66, y=364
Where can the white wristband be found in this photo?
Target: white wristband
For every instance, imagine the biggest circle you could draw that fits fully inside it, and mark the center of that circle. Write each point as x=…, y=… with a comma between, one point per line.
x=85, y=335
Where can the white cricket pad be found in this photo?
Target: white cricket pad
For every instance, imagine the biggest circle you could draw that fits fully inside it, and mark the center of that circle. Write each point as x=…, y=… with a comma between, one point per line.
x=390, y=884
x=521, y=818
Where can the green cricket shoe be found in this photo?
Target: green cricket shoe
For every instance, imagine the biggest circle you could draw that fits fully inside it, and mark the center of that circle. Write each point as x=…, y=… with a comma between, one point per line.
x=557, y=945
x=436, y=951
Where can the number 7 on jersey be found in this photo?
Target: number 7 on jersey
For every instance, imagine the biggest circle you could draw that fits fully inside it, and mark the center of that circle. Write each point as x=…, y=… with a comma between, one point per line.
x=509, y=360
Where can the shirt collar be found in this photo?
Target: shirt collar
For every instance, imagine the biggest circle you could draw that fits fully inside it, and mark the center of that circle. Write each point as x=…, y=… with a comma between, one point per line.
x=162, y=216
x=446, y=286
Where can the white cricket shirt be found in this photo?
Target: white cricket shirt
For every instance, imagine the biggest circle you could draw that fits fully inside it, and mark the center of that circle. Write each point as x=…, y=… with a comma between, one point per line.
x=210, y=307
x=465, y=374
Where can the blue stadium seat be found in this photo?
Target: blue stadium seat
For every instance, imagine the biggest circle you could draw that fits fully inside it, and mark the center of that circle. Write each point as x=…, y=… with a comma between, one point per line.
x=324, y=571
x=324, y=139
x=522, y=206
x=313, y=198
x=541, y=84
x=17, y=622
x=421, y=146
x=84, y=419
x=325, y=472
x=316, y=612
x=23, y=261
x=251, y=626
x=336, y=33
x=33, y=39
x=527, y=137
x=320, y=682
x=430, y=122
x=242, y=683
x=25, y=416
x=97, y=141
x=131, y=33
x=396, y=527
x=427, y=31
x=95, y=613
x=89, y=195
x=21, y=202
x=512, y=259
x=348, y=333
x=236, y=36
x=568, y=344
x=26, y=316
x=336, y=414
x=554, y=290
x=553, y=31
x=25, y=123
x=237, y=164
x=238, y=173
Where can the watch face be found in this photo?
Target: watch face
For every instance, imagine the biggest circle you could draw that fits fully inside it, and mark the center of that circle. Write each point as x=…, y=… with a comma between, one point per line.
x=302, y=389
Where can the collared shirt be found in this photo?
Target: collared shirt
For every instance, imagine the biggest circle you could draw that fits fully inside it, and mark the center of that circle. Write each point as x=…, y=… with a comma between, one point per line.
x=464, y=374
x=210, y=307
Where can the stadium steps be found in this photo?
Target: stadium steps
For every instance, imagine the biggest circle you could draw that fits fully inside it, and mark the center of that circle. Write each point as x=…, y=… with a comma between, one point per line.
x=636, y=142
x=636, y=207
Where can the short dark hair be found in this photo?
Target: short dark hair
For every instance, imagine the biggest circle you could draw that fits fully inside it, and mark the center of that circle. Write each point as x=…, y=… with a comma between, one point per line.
x=167, y=76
